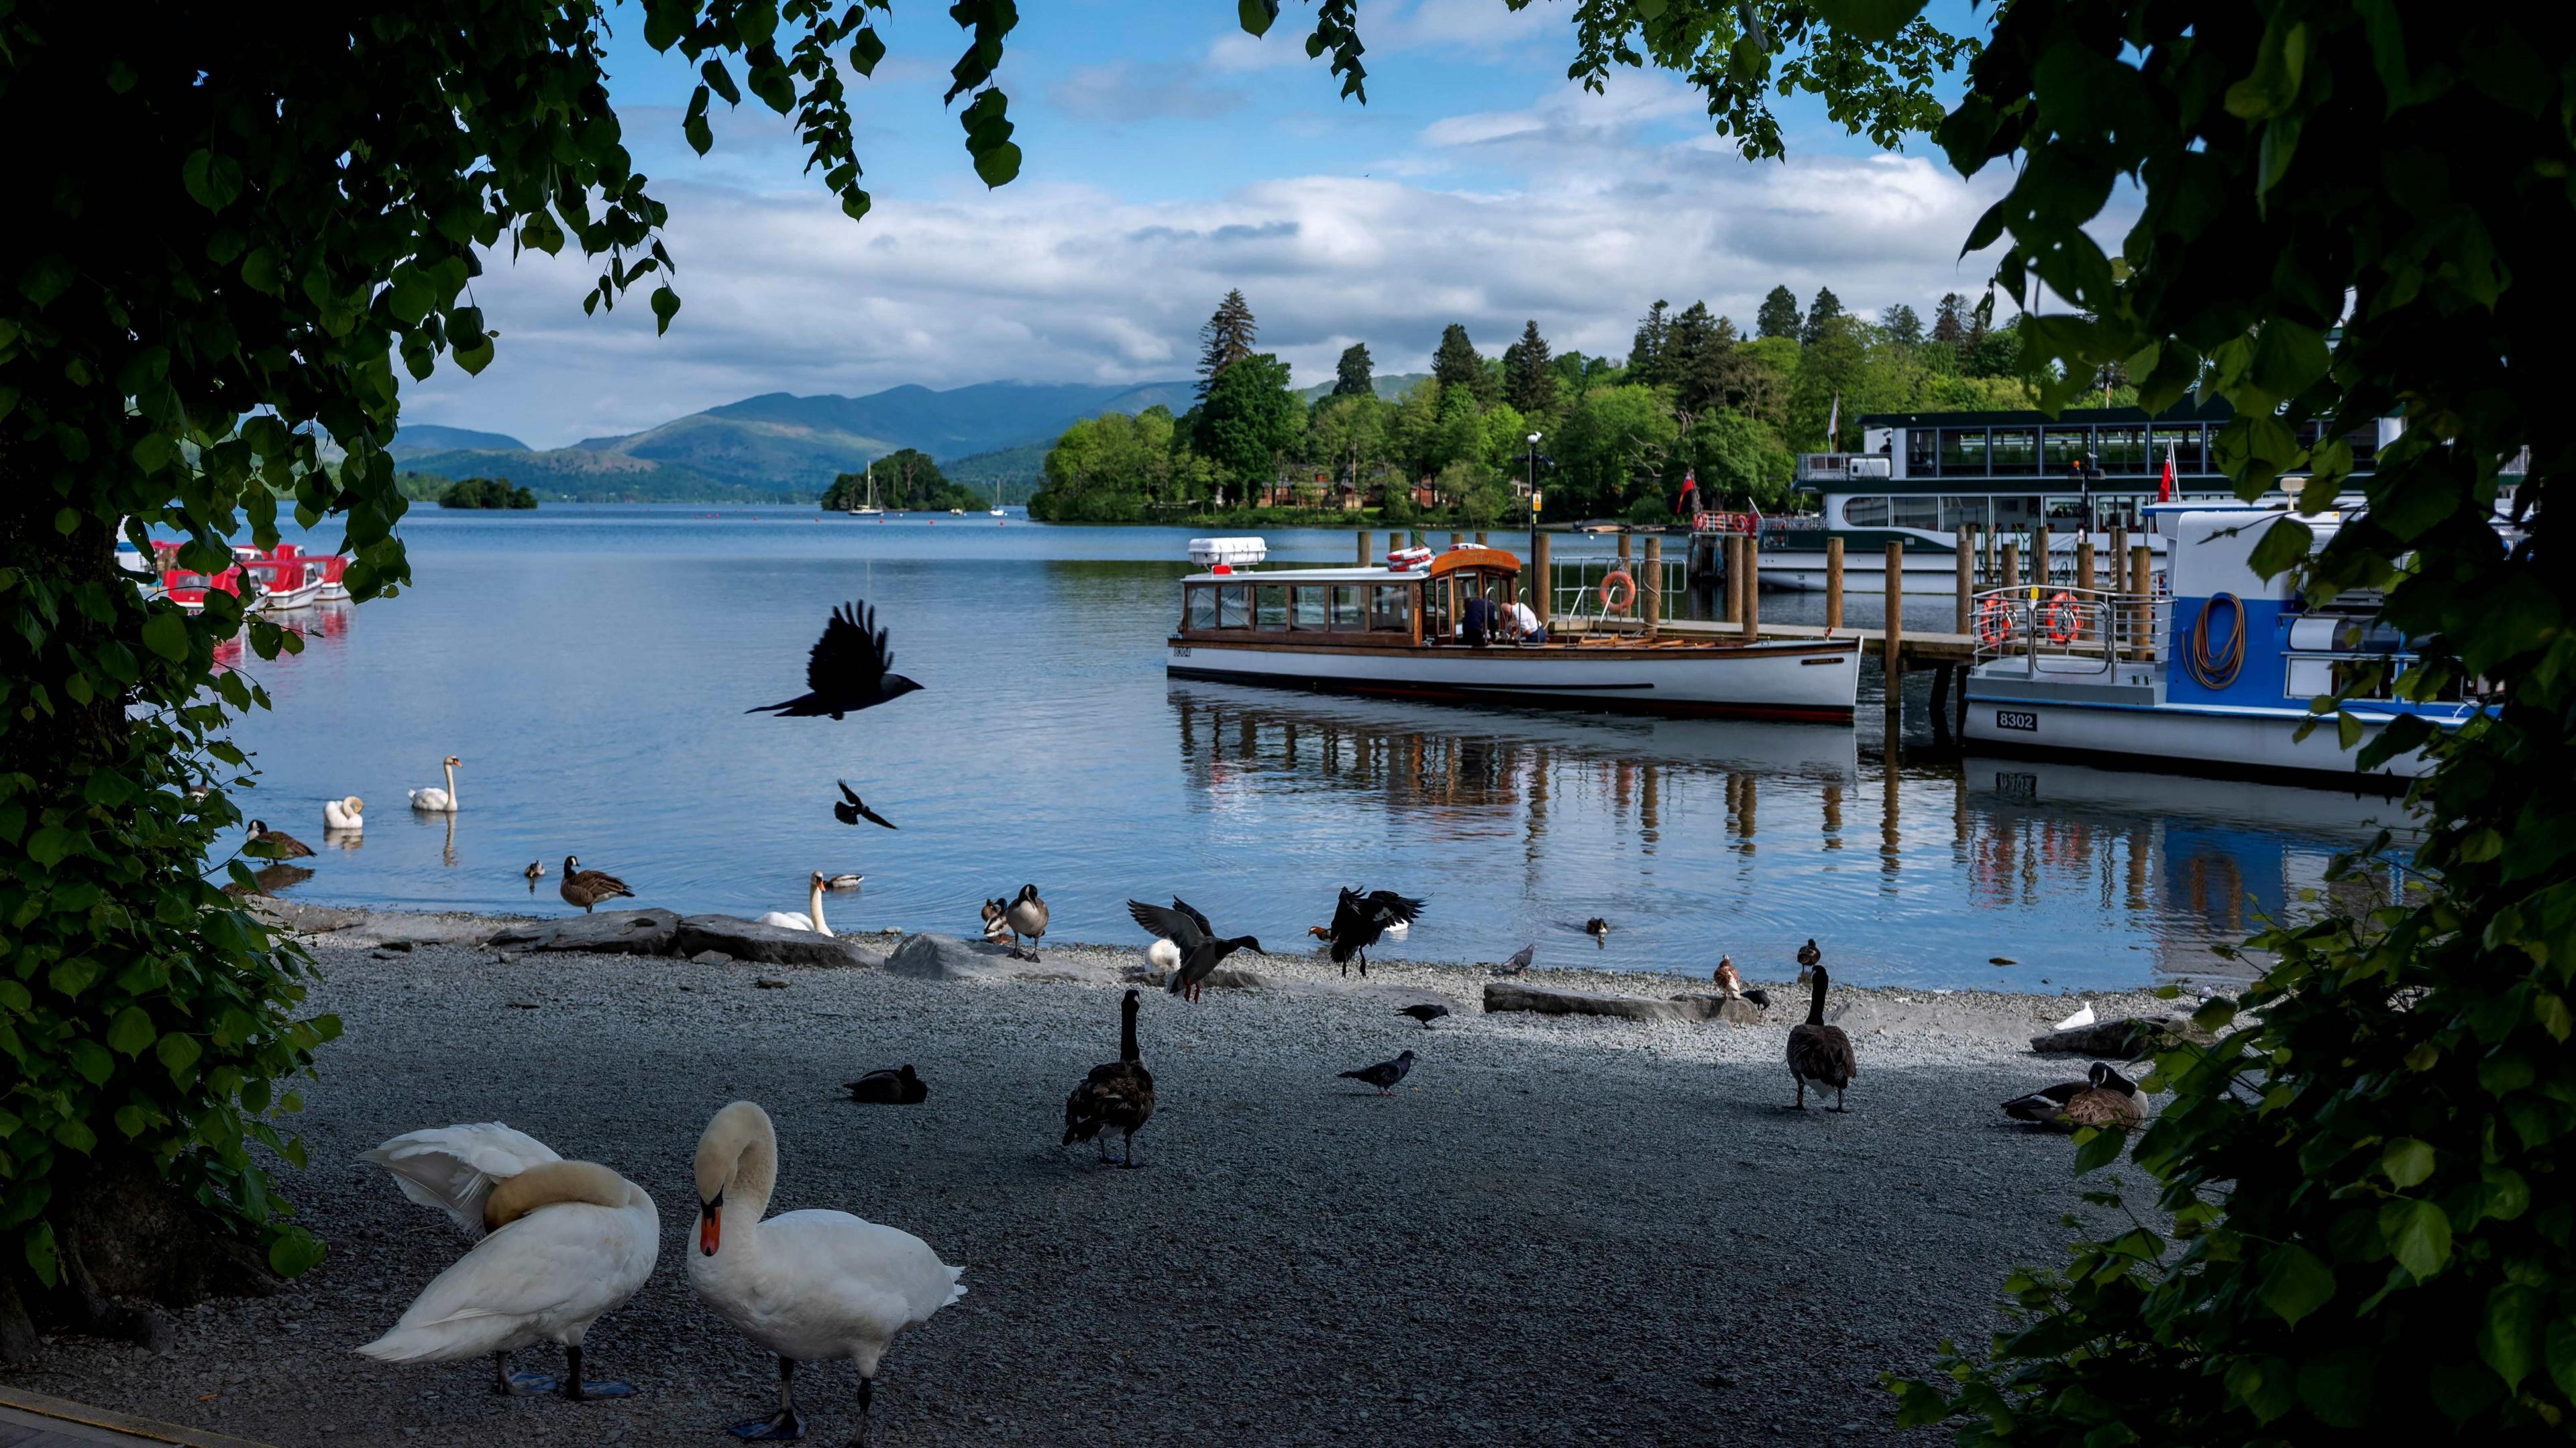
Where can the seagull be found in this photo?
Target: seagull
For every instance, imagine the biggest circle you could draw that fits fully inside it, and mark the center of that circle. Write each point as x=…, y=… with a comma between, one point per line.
x=1358, y=921
x=856, y=809
x=1200, y=946
x=1384, y=1074
x=847, y=670
x=1425, y=1014
x=1520, y=960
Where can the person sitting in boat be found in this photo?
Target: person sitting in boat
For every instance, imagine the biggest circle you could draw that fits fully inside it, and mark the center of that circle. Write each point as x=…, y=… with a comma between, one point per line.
x=1479, y=621
x=1521, y=624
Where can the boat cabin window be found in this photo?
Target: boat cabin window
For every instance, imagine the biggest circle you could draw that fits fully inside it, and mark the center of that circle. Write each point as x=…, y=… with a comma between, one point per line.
x=1201, y=615
x=2119, y=511
x=2015, y=450
x=2061, y=448
x=1920, y=512
x=1306, y=608
x=1968, y=512
x=1963, y=451
x=2016, y=512
x=1350, y=608
x=2066, y=513
x=2184, y=442
x=1391, y=607
x=2121, y=451
x=1270, y=606
x=1864, y=512
x=1922, y=452
x=1234, y=606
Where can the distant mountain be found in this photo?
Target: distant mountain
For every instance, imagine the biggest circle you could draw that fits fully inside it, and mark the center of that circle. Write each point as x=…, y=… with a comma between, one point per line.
x=1020, y=470
x=583, y=475
x=1392, y=388
x=429, y=437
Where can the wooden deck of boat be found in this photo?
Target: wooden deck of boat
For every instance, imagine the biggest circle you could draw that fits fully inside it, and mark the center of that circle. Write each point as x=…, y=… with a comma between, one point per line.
x=34, y=1420
x=1913, y=649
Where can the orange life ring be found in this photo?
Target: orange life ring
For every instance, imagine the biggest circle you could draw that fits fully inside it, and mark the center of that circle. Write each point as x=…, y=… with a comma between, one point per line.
x=1618, y=591
x=2065, y=620
x=1994, y=622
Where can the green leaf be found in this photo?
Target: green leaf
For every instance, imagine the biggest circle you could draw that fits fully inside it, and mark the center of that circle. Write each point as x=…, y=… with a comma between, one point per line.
x=165, y=633
x=2284, y=545
x=2561, y=1352
x=1255, y=16
x=1000, y=165
x=2295, y=1283
x=2418, y=1234
x=666, y=305
x=178, y=1053
x=2509, y=1340
x=131, y=1031
x=213, y=181
x=295, y=1252
x=39, y=1250
x=2096, y=1148
x=1870, y=19
x=2406, y=1161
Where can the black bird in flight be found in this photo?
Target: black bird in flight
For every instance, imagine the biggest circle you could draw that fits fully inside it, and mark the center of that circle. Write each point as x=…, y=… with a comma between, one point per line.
x=847, y=670
x=1384, y=1074
x=856, y=809
x=1200, y=946
x=1358, y=921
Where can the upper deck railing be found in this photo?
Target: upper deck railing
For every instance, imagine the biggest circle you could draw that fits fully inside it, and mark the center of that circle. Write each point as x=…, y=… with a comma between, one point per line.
x=1843, y=467
x=2067, y=631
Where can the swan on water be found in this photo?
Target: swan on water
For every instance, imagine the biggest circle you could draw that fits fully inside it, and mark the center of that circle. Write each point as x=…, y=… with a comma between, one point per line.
x=810, y=1286
x=343, y=814
x=434, y=800
x=790, y=920
x=570, y=1241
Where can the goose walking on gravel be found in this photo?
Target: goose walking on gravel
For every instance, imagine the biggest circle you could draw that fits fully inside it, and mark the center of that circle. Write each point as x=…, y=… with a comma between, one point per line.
x=790, y=920
x=1117, y=1095
x=1027, y=915
x=889, y=1088
x=1820, y=1053
x=1359, y=920
x=268, y=844
x=1190, y=933
x=570, y=1241
x=810, y=1286
x=1385, y=1074
x=2104, y=1098
x=345, y=813
x=587, y=888
x=434, y=800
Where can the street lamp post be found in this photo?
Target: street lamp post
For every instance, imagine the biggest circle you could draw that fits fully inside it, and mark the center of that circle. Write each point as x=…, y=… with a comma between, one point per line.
x=1536, y=558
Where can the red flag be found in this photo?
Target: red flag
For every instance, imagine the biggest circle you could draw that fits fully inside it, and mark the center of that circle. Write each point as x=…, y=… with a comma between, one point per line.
x=2164, y=489
x=1688, y=501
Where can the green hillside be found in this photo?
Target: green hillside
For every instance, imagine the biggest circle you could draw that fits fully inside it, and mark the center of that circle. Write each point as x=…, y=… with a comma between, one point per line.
x=581, y=475
x=1391, y=387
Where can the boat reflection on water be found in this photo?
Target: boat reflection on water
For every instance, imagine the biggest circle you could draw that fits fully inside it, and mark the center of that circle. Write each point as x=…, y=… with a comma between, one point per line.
x=326, y=622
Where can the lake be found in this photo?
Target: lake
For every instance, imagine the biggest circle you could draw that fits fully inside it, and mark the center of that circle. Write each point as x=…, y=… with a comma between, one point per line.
x=591, y=666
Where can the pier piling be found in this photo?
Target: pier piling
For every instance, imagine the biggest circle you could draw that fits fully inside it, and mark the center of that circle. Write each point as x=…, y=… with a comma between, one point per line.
x=1752, y=599
x=2042, y=573
x=1542, y=580
x=1651, y=593
x=1964, y=556
x=1833, y=584
x=2012, y=565
x=1364, y=548
x=1895, y=634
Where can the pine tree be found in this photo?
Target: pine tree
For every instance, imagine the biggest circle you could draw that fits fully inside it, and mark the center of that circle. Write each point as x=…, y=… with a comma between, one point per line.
x=1779, y=314
x=1901, y=325
x=1225, y=340
x=1694, y=357
x=1646, y=353
x=1352, y=375
x=1949, y=326
x=1529, y=381
x=1456, y=364
x=1826, y=307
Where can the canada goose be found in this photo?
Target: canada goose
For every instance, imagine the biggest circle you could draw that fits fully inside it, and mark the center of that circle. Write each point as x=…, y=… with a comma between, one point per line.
x=1358, y=921
x=586, y=888
x=268, y=844
x=1384, y=1074
x=1117, y=1095
x=810, y=1286
x=1599, y=930
x=570, y=1241
x=345, y=813
x=846, y=671
x=1519, y=961
x=852, y=809
x=1819, y=1052
x=2104, y=1098
x=844, y=882
x=1028, y=916
x=1426, y=1014
x=791, y=920
x=434, y=800
x=1196, y=940
x=889, y=1088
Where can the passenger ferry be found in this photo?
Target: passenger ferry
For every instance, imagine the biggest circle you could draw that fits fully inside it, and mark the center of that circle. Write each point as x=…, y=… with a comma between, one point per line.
x=1412, y=629
x=2212, y=673
x=1921, y=477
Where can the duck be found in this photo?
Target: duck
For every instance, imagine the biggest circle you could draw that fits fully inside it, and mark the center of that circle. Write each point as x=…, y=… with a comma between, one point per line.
x=1731, y=986
x=791, y=920
x=268, y=844
x=1028, y=916
x=889, y=1088
x=809, y=1286
x=1385, y=1074
x=1117, y=1095
x=1808, y=955
x=1193, y=938
x=997, y=925
x=587, y=888
x=345, y=813
x=1818, y=1052
x=434, y=800
x=565, y=1244
x=1360, y=920
x=536, y=871
x=1598, y=929
x=2104, y=1098
x=844, y=882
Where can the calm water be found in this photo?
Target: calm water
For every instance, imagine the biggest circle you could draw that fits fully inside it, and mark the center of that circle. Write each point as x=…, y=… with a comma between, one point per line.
x=591, y=666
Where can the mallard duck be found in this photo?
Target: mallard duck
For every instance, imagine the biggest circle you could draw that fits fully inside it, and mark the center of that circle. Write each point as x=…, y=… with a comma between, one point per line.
x=587, y=888
x=843, y=882
x=1117, y=1095
x=2105, y=1098
x=1598, y=929
x=268, y=844
x=1818, y=1052
x=889, y=1088
x=536, y=871
x=1028, y=916
x=1359, y=920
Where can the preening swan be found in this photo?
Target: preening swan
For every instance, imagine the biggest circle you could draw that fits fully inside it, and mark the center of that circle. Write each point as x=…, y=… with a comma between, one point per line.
x=435, y=800
x=343, y=814
x=790, y=920
x=809, y=1286
x=570, y=1241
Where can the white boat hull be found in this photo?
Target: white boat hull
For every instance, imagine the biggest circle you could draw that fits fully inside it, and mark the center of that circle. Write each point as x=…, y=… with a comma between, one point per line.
x=1804, y=680
x=282, y=600
x=2253, y=743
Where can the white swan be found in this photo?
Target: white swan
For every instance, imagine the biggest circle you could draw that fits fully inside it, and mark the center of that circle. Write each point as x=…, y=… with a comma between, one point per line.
x=790, y=920
x=436, y=800
x=809, y=1286
x=570, y=1241
x=343, y=814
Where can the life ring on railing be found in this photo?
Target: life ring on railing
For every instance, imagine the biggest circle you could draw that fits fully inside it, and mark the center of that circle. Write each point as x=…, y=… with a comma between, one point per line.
x=1994, y=622
x=2064, y=619
x=1618, y=592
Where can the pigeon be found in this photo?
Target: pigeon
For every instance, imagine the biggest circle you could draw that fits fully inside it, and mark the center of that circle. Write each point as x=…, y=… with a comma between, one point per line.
x=1425, y=1014
x=1200, y=946
x=1818, y=1052
x=1384, y=1074
x=1358, y=921
x=268, y=844
x=847, y=670
x=889, y=1088
x=854, y=809
x=1520, y=960
x=1116, y=1096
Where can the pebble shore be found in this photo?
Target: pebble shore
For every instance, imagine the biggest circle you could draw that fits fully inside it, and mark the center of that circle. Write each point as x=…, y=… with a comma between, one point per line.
x=1560, y=1230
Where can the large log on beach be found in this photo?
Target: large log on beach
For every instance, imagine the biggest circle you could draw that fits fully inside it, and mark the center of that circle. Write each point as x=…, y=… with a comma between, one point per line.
x=768, y=944
x=604, y=932
x=1547, y=1001
x=2127, y=1038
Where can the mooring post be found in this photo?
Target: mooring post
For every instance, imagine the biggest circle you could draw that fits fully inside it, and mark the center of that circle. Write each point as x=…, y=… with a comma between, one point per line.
x=1894, y=664
x=1650, y=588
x=2012, y=565
x=2039, y=558
x=2142, y=626
x=1833, y=585
x=1364, y=548
x=1752, y=588
x=1964, y=556
x=1542, y=580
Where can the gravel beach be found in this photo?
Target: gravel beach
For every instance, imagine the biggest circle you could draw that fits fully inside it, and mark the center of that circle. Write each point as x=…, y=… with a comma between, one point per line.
x=1560, y=1229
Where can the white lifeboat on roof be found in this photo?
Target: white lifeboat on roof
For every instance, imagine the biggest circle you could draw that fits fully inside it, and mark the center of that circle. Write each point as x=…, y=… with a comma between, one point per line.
x=1228, y=552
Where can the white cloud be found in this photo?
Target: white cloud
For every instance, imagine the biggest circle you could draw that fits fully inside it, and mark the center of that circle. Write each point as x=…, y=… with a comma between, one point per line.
x=1126, y=90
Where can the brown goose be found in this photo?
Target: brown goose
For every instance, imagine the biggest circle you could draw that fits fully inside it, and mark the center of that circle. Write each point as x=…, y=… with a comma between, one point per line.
x=268, y=844
x=1027, y=916
x=1118, y=1095
x=586, y=888
x=2105, y=1098
x=1818, y=1052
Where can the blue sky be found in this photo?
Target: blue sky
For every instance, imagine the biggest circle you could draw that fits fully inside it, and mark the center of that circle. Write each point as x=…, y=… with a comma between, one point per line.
x=1169, y=157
